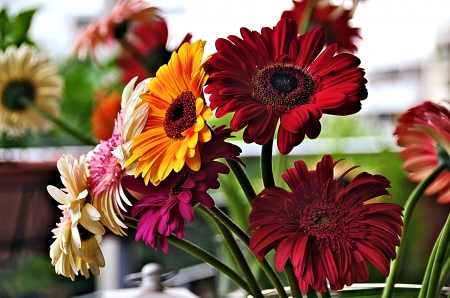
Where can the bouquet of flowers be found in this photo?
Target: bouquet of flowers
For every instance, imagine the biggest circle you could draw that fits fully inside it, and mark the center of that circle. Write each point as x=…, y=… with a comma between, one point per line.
x=153, y=170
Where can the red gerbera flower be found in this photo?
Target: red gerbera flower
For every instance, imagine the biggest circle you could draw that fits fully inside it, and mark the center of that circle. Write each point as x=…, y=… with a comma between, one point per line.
x=325, y=227
x=163, y=208
x=148, y=45
x=335, y=20
x=424, y=133
x=279, y=75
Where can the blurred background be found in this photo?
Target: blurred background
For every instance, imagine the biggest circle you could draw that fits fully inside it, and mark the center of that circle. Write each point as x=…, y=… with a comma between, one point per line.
x=405, y=50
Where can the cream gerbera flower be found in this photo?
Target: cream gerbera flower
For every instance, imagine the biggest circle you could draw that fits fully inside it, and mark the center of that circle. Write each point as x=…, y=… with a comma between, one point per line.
x=77, y=236
x=26, y=74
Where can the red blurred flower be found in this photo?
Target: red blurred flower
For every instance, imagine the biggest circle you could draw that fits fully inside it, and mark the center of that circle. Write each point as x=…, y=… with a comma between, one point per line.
x=114, y=27
x=279, y=75
x=162, y=209
x=325, y=227
x=424, y=133
x=147, y=50
x=104, y=114
x=335, y=20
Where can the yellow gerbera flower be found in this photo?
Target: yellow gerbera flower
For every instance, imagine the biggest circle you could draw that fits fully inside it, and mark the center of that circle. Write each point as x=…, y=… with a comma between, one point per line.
x=26, y=74
x=176, y=117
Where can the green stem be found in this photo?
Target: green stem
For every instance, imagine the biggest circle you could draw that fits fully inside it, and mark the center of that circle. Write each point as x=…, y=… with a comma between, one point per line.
x=303, y=25
x=201, y=254
x=237, y=253
x=78, y=135
x=293, y=282
x=266, y=164
x=279, y=168
x=445, y=270
x=243, y=179
x=426, y=277
x=439, y=259
x=407, y=216
x=225, y=220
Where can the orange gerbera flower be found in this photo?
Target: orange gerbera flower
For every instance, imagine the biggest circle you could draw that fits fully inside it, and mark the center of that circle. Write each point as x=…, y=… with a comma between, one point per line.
x=104, y=113
x=176, y=117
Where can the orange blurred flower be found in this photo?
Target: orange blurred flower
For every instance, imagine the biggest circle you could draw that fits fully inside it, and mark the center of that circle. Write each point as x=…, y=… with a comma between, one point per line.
x=104, y=113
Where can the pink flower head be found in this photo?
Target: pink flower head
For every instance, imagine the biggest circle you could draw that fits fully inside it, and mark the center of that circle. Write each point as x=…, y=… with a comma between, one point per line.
x=115, y=26
x=325, y=227
x=424, y=133
x=163, y=208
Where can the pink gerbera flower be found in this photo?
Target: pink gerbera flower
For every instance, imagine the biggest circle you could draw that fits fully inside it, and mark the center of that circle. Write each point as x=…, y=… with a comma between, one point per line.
x=277, y=75
x=114, y=27
x=163, y=209
x=325, y=226
x=424, y=133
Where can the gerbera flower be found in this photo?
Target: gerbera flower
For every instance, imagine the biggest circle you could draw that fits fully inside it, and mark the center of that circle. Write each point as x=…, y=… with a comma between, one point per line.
x=164, y=208
x=79, y=232
x=149, y=50
x=104, y=114
x=27, y=75
x=115, y=26
x=279, y=75
x=105, y=162
x=424, y=133
x=325, y=227
x=335, y=20
x=176, y=117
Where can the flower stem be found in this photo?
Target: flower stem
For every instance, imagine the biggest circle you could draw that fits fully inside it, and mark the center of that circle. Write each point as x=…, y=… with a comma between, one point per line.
x=78, y=135
x=237, y=254
x=292, y=279
x=266, y=164
x=201, y=254
x=438, y=262
x=226, y=221
x=407, y=216
x=303, y=26
x=242, y=178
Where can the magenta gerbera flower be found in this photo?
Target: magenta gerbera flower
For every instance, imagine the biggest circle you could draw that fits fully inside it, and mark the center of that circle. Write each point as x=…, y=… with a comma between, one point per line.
x=163, y=209
x=275, y=74
x=325, y=227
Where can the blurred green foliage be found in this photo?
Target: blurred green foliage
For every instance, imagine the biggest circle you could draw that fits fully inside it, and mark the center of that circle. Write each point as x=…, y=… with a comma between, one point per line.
x=14, y=30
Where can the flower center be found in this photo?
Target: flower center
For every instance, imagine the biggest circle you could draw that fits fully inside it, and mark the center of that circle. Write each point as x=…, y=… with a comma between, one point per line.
x=157, y=58
x=283, y=86
x=443, y=156
x=120, y=30
x=177, y=187
x=16, y=93
x=180, y=115
x=324, y=221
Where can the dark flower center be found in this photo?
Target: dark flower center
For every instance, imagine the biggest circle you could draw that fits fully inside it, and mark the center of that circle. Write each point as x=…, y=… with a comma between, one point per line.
x=283, y=86
x=180, y=115
x=443, y=156
x=324, y=221
x=120, y=30
x=16, y=93
x=177, y=187
x=156, y=58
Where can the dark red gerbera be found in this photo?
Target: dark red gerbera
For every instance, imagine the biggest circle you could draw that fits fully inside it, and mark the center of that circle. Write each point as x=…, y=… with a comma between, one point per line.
x=148, y=51
x=325, y=227
x=163, y=209
x=275, y=75
x=335, y=20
